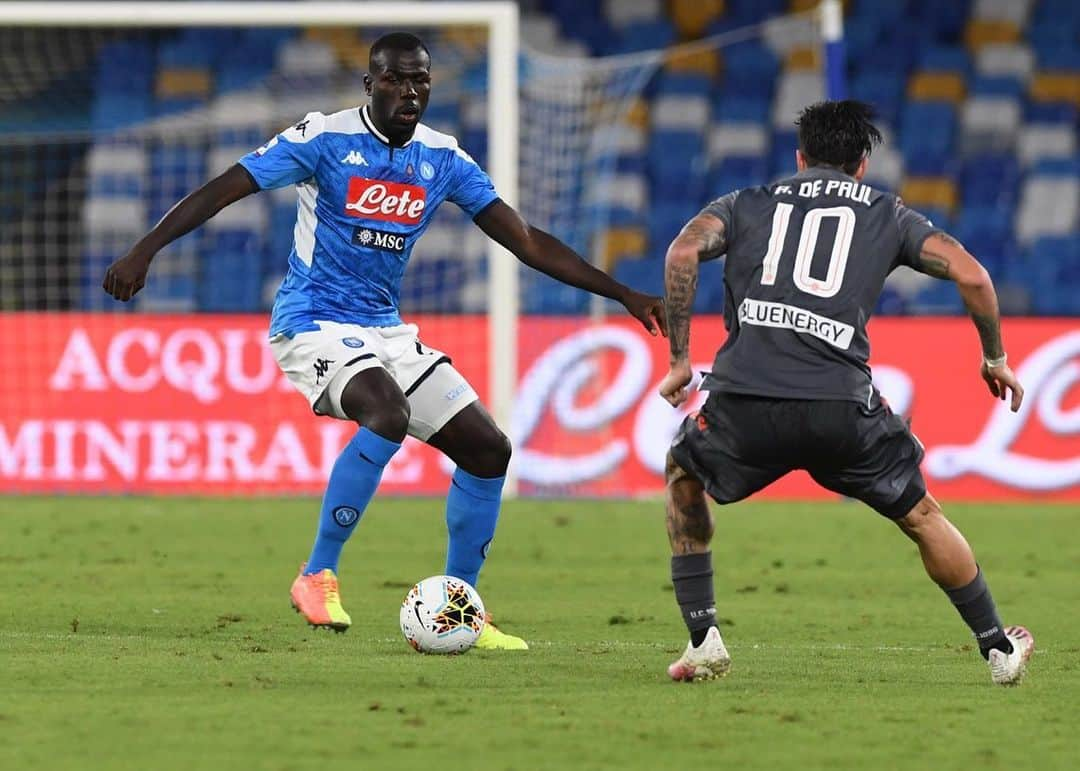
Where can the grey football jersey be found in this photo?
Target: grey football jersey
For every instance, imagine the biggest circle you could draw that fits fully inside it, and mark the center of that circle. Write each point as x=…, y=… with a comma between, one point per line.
x=806, y=260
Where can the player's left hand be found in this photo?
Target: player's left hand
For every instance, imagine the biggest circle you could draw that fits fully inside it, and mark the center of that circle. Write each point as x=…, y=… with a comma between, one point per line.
x=674, y=385
x=647, y=309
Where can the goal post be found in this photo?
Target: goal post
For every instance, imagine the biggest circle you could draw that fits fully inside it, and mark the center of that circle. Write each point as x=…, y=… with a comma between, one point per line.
x=498, y=17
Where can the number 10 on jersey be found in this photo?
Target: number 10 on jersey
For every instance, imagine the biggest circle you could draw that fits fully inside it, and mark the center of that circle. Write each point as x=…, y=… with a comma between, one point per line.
x=808, y=242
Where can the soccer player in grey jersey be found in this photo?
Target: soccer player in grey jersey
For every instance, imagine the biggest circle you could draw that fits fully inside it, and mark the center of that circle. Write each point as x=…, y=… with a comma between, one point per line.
x=791, y=389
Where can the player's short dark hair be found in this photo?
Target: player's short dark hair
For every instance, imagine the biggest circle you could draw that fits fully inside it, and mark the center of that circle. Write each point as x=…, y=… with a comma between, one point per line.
x=401, y=42
x=837, y=133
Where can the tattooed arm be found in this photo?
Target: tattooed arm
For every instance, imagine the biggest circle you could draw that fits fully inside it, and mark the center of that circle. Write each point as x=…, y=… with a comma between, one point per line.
x=701, y=239
x=942, y=256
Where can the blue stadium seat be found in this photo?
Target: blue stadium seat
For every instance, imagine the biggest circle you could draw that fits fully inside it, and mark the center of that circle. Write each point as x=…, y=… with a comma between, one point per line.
x=644, y=275
x=989, y=180
x=643, y=36
x=743, y=109
x=883, y=88
x=736, y=172
x=1050, y=112
x=937, y=298
x=230, y=272
x=983, y=85
x=543, y=295
x=926, y=131
x=945, y=59
x=710, y=289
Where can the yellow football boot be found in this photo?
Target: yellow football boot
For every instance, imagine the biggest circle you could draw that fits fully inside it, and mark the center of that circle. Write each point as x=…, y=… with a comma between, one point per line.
x=493, y=639
x=316, y=598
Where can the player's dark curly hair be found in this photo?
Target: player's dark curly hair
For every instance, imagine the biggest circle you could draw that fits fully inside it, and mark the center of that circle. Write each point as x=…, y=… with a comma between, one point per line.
x=837, y=133
x=396, y=41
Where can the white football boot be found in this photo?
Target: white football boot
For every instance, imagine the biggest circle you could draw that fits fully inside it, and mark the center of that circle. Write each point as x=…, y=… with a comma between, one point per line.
x=1009, y=668
x=705, y=662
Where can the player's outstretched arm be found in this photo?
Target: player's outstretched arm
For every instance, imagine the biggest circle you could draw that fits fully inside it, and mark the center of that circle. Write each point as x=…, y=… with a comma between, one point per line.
x=547, y=254
x=702, y=238
x=942, y=256
x=127, y=275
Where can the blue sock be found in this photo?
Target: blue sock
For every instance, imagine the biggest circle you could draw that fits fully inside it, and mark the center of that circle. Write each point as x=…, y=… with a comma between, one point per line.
x=472, y=509
x=353, y=480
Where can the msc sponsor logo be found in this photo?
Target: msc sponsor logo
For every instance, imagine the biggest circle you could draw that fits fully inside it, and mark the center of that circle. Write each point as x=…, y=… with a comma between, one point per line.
x=370, y=238
x=352, y=342
x=378, y=199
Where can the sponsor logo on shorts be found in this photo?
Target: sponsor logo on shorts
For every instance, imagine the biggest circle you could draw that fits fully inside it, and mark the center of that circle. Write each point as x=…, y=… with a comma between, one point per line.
x=352, y=342
x=762, y=313
x=456, y=392
x=370, y=238
x=346, y=516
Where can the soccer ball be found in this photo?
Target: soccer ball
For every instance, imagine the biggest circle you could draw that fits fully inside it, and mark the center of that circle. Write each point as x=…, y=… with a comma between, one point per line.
x=442, y=614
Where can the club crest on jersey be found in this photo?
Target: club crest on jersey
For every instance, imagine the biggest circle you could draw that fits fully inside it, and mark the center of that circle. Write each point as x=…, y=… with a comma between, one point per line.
x=427, y=171
x=370, y=238
x=377, y=199
x=355, y=158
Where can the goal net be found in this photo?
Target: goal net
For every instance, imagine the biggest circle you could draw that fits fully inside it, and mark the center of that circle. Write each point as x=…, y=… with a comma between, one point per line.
x=104, y=126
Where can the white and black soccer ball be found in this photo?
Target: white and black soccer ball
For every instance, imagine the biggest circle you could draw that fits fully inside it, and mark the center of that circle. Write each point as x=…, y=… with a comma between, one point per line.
x=442, y=614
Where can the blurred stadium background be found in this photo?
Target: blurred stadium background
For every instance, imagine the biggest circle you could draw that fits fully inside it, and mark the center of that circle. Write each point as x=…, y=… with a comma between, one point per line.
x=633, y=114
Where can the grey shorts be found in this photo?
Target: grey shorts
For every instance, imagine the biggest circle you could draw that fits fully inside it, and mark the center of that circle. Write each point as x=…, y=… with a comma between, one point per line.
x=739, y=444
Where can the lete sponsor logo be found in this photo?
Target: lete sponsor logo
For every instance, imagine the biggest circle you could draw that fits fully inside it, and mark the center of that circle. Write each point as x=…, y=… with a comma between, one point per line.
x=385, y=201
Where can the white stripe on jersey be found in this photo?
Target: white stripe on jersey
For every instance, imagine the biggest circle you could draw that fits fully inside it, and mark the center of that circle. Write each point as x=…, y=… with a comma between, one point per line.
x=304, y=232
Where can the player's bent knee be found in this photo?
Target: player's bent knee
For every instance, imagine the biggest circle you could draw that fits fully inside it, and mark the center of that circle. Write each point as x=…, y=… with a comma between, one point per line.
x=491, y=457
x=673, y=472
x=923, y=517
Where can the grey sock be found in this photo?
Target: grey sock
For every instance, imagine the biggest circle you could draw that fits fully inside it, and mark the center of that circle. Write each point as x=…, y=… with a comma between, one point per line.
x=692, y=576
x=977, y=608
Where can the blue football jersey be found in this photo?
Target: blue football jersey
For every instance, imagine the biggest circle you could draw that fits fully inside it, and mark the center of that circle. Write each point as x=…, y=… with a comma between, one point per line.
x=362, y=204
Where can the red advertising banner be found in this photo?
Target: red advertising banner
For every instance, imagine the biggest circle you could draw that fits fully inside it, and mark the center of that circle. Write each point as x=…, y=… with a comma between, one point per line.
x=195, y=404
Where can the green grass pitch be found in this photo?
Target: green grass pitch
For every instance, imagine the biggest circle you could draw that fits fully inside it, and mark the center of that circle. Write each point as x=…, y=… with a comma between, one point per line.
x=156, y=634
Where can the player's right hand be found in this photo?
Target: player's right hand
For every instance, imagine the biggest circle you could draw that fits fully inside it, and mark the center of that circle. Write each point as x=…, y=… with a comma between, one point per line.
x=674, y=385
x=1001, y=381
x=126, y=276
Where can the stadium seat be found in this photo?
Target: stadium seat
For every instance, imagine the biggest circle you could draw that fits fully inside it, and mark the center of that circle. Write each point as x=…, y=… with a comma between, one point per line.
x=1014, y=60
x=989, y=180
x=1056, y=87
x=706, y=62
x=737, y=139
x=795, y=91
x=1045, y=140
x=936, y=87
x=621, y=243
x=735, y=172
x=989, y=124
x=984, y=32
x=692, y=17
x=944, y=59
x=1049, y=206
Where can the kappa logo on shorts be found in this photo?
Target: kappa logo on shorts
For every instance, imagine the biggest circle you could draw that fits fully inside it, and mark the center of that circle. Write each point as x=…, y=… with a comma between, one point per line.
x=346, y=516
x=322, y=366
x=352, y=342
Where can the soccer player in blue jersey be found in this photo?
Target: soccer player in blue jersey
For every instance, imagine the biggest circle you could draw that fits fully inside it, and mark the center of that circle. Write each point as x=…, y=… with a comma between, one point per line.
x=368, y=181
